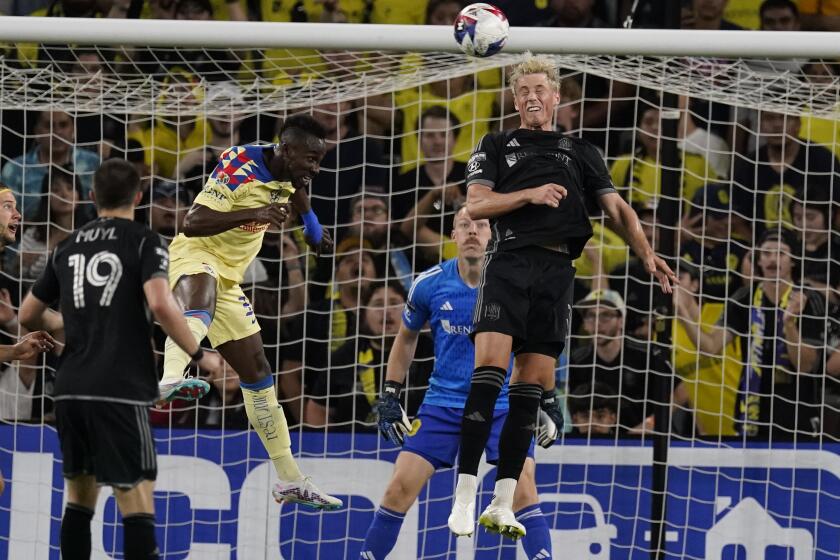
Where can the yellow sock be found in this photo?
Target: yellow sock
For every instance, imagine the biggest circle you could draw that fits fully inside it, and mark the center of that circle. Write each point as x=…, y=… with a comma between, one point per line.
x=268, y=420
x=175, y=360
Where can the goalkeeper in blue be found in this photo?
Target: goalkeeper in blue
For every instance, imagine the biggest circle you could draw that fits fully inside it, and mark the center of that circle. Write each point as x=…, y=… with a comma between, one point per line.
x=444, y=296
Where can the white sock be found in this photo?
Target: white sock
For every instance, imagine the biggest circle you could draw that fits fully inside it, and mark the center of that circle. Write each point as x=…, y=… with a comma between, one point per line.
x=466, y=488
x=503, y=492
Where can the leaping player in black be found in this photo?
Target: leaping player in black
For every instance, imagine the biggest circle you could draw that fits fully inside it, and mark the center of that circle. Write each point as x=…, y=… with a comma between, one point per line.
x=105, y=276
x=536, y=186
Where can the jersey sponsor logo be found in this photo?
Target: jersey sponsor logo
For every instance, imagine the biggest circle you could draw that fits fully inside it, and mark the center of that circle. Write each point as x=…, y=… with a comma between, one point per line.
x=473, y=166
x=455, y=329
x=254, y=227
x=492, y=311
x=213, y=192
x=515, y=157
x=478, y=156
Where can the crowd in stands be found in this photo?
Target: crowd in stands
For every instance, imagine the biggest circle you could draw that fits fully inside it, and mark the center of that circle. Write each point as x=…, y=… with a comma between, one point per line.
x=755, y=341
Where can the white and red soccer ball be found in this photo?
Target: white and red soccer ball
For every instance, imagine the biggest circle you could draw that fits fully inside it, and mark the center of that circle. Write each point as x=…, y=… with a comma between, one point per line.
x=481, y=29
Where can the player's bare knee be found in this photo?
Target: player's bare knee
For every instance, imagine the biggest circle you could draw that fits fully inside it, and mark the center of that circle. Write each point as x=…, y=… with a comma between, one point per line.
x=82, y=490
x=136, y=499
x=399, y=495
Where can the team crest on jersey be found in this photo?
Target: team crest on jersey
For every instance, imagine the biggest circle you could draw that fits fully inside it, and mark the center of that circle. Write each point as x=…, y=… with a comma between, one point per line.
x=223, y=177
x=564, y=144
x=492, y=311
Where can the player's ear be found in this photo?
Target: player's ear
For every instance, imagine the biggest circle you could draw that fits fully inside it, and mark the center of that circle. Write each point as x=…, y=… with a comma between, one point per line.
x=92, y=196
x=138, y=196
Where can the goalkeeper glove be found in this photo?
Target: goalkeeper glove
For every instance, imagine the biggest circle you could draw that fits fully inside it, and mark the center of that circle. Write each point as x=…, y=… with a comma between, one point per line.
x=550, y=420
x=390, y=417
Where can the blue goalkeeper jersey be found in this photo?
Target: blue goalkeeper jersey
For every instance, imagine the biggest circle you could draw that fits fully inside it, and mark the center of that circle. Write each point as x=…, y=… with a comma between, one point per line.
x=441, y=297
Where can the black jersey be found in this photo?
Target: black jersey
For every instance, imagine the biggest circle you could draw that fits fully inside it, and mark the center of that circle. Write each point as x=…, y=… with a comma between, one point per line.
x=97, y=276
x=519, y=159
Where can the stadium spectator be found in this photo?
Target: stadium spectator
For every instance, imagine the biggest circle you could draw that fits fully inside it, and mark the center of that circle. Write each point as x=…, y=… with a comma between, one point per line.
x=172, y=137
x=606, y=356
x=707, y=14
x=437, y=187
x=811, y=217
x=781, y=327
x=58, y=214
x=713, y=269
x=55, y=137
x=766, y=180
x=821, y=129
x=702, y=141
x=352, y=160
x=594, y=410
x=473, y=107
x=196, y=165
x=641, y=170
x=441, y=12
x=371, y=229
x=567, y=116
x=571, y=13
x=347, y=391
x=326, y=325
x=170, y=203
x=819, y=15
x=779, y=15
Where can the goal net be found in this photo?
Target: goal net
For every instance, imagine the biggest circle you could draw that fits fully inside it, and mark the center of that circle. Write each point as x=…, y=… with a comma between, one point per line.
x=733, y=158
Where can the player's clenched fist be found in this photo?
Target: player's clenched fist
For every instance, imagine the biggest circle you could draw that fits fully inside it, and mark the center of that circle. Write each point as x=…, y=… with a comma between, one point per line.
x=547, y=195
x=274, y=214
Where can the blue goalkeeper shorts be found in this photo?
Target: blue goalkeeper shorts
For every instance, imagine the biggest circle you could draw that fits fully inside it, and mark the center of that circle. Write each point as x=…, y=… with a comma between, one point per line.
x=439, y=436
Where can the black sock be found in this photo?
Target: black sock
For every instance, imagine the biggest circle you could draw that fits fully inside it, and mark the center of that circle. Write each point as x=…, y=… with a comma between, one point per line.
x=485, y=386
x=139, y=543
x=75, y=532
x=518, y=430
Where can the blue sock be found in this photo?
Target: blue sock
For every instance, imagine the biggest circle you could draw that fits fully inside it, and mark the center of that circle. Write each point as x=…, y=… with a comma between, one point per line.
x=382, y=534
x=537, y=539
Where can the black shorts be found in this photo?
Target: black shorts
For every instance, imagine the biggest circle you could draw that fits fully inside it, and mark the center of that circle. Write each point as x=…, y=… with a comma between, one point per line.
x=110, y=441
x=527, y=294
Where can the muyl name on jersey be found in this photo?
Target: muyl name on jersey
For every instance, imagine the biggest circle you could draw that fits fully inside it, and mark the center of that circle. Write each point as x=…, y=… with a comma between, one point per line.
x=97, y=234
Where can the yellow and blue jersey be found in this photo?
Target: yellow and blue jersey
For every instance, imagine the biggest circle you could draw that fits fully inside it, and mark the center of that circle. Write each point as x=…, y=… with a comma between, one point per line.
x=441, y=297
x=241, y=180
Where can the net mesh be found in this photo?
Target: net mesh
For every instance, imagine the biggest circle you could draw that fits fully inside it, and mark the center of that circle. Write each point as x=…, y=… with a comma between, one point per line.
x=389, y=202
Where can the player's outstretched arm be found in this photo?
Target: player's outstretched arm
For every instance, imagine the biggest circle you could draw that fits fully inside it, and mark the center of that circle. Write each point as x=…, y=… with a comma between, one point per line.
x=626, y=224
x=167, y=312
x=202, y=221
x=484, y=203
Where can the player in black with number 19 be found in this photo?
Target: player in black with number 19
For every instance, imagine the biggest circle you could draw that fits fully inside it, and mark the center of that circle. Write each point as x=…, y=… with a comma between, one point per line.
x=104, y=276
x=537, y=187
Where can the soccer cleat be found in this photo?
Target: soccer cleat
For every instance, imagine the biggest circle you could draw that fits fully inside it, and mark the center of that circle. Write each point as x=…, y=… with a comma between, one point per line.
x=462, y=519
x=304, y=492
x=501, y=520
x=188, y=389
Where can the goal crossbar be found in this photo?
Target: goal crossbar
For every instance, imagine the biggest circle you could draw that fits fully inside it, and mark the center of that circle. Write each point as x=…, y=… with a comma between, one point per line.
x=649, y=42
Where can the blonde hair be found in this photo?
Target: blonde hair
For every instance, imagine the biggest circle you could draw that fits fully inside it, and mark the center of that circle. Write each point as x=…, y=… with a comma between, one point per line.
x=536, y=64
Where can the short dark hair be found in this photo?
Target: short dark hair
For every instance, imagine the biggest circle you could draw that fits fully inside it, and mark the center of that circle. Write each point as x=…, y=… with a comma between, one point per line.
x=375, y=286
x=588, y=397
x=440, y=112
x=115, y=184
x=197, y=5
x=300, y=125
x=776, y=4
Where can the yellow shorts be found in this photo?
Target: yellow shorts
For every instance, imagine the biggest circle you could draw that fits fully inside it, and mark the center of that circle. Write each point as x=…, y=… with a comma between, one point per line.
x=234, y=318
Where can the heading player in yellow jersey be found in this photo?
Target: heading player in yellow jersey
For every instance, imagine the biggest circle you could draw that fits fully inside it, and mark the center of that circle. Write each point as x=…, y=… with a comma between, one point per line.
x=246, y=193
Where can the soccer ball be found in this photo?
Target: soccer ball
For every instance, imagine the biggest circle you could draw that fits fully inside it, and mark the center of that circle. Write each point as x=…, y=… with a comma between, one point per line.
x=481, y=30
